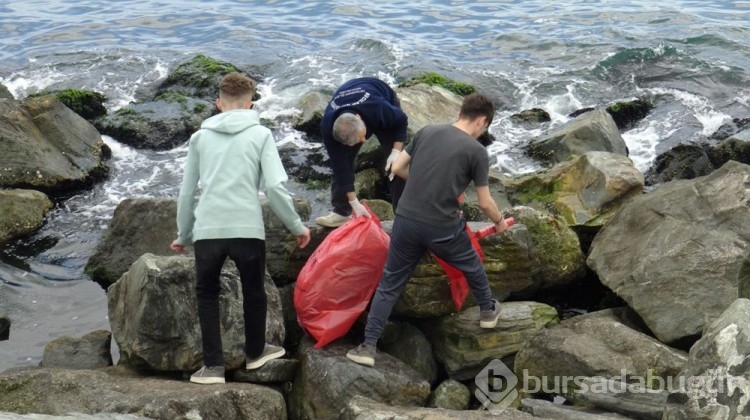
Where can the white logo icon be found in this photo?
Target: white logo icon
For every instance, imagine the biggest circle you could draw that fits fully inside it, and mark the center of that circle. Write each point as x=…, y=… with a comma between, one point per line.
x=496, y=386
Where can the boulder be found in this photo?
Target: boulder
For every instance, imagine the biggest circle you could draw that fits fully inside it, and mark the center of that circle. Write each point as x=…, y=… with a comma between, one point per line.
x=311, y=107
x=591, y=131
x=5, y=93
x=465, y=349
x=730, y=128
x=407, y=343
x=675, y=255
x=684, y=161
x=274, y=371
x=428, y=104
x=138, y=226
x=199, y=77
x=327, y=380
x=585, y=192
x=152, y=310
x=596, y=344
x=627, y=113
x=548, y=409
x=633, y=400
x=92, y=351
x=4, y=326
x=48, y=147
x=86, y=103
x=450, y=395
x=715, y=381
x=531, y=117
x=735, y=147
x=363, y=408
x=22, y=212
x=167, y=121
x=60, y=392
x=307, y=165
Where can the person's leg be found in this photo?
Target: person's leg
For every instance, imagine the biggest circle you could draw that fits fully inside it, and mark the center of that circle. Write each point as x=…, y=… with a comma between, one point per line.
x=339, y=201
x=404, y=253
x=209, y=258
x=249, y=255
x=397, y=188
x=455, y=249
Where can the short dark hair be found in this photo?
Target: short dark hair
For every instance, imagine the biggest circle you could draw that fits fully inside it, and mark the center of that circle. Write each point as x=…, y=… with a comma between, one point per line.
x=236, y=86
x=477, y=105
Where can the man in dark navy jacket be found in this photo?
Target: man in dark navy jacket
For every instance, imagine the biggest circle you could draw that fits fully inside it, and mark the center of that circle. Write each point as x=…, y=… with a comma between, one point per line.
x=360, y=108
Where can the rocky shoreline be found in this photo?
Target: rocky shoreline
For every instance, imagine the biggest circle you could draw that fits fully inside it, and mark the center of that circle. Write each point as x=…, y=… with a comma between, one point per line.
x=669, y=246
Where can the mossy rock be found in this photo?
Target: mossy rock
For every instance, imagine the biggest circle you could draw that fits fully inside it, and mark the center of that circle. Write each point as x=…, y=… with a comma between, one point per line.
x=87, y=104
x=627, y=113
x=432, y=78
x=531, y=116
x=199, y=78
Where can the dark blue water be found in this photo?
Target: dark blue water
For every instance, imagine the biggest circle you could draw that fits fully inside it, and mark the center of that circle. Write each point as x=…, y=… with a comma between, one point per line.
x=692, y=58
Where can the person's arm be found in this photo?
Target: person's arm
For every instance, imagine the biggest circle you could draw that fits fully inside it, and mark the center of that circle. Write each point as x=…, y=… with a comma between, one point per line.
x=186, y=199
x=278, y=197
x=489, y=208
x=401, y=165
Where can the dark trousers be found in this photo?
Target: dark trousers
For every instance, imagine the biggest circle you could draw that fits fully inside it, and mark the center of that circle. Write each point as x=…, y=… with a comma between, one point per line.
x=340, y=202
x=249, y=255
x=409, y=241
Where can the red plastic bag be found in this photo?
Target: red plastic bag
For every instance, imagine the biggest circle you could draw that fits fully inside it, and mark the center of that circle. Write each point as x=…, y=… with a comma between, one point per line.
x=337, y=282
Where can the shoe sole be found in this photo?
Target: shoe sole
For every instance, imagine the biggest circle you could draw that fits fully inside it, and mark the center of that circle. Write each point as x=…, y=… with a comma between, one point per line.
x=207, y=381
x=362, y=360
x=262, y=361
x=330, y=225
x=489, y=324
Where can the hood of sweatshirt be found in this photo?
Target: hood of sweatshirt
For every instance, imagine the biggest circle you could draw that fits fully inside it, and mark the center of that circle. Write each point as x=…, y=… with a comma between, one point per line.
x=232, y=122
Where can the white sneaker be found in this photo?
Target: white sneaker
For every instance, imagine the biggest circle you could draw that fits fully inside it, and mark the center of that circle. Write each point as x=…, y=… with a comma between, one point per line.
x=332, y=220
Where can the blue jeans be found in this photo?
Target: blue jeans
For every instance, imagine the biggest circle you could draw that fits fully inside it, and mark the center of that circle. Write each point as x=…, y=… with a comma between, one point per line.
x=249, y=255
x=409, y=241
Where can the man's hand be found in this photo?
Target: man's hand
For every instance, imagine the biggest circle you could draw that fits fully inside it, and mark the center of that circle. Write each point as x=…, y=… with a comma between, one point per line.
x=177, y=247
x=303, y=239
x=359, y=209
x=391, y=158
x=501, y=226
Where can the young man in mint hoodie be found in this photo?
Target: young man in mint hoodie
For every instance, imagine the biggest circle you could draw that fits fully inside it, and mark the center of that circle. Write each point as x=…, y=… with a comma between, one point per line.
x=232, y=156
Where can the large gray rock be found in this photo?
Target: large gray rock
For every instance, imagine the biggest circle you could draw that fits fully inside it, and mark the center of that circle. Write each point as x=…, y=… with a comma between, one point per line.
x=92, y=351
x=61, y=391
x=363, y=408
x=141, y=225
x=716, y=379
x=4, y=326
x=428, y=104
x=160, y=124
x=675, y=255
x=48, y=147
x=684, y=161
x=21, y=212
x=736, y=147
x=591, y=131
x=327, y=380
x=451, y=395
x=406, y=342
x=152, y=310
x=465, y=349
x=586, y=191
x=551, y=410
x=629, y=399
x=5, y=93
x=595, y=344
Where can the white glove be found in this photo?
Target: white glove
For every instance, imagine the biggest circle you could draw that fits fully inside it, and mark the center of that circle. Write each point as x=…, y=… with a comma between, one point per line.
x=359, y=209
x=391, y=158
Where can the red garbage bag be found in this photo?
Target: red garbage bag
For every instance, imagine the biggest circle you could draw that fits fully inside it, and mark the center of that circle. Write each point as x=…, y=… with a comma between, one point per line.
x=337, y=282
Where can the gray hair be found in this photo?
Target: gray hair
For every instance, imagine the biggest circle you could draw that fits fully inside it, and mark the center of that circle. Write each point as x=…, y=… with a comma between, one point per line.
x=347, y=127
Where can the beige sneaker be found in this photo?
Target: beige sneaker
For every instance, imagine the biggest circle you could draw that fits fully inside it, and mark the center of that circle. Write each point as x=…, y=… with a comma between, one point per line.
x=270, y=352
x=332, y=220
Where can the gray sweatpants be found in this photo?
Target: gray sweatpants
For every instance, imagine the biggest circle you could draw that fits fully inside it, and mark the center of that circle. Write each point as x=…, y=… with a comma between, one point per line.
x=409, y=241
